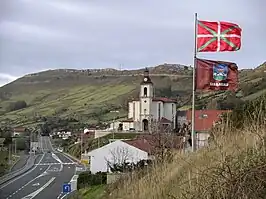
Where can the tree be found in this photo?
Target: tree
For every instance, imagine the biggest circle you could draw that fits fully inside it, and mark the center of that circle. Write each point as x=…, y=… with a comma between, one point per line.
x=164, y=140
x=230, y=102
x=45, y=130
x=120, y=160
x=17, y=105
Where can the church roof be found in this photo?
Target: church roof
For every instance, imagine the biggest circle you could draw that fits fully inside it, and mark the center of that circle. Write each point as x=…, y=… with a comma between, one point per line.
x=164, y=100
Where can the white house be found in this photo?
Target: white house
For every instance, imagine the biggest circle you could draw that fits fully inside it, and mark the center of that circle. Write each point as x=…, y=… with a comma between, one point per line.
x=115, y=152
x=149, y=108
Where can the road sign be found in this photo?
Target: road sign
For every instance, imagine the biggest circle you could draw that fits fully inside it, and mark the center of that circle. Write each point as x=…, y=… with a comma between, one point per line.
x=85, y=161
x=66, y=188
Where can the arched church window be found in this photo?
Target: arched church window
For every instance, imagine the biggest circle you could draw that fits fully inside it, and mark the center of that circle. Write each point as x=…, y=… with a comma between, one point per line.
x=145, y=91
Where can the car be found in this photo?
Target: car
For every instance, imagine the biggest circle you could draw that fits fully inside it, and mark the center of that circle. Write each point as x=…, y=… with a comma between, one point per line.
x=48, y=151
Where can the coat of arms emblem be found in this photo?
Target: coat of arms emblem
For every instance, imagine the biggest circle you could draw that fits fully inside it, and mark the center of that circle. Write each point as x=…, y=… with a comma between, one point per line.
x=220, y=72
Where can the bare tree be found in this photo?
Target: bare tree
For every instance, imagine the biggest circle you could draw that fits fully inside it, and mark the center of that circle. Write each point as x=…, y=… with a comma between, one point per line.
x=120, y=160
x=164, y=141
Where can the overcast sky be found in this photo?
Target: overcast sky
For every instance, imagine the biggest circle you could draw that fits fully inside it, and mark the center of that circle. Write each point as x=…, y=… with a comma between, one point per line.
x=47, y=34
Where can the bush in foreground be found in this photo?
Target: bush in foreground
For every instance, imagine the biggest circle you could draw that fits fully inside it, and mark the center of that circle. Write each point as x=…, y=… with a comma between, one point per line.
x=233, y=166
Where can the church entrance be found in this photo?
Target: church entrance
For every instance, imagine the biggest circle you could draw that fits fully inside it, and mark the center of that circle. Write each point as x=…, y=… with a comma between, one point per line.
x=145, y=125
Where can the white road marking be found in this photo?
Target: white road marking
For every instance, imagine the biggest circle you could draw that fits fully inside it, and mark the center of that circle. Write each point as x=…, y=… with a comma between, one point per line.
x=43, y=174
x=54, y=163
x=35, y=193
x=36, y=184
x=58, y=197
x=67, y=157
x=3, y=186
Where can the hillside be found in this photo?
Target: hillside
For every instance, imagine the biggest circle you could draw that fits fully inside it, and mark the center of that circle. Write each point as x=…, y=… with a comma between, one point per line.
x=90, y=95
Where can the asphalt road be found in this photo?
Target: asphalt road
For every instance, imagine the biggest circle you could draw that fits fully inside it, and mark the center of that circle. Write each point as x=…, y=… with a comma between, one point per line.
x=45, y=180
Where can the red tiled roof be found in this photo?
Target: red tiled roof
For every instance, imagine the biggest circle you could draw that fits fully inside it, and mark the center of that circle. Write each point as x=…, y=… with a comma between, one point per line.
x=173, y=141
x=164, y=100
x=205, y=119
x=141, y=144
x=165, y=121
x=19, y=130
x=127, y=120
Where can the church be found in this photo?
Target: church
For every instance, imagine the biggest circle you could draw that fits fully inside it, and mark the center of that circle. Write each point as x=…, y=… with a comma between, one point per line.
x=149, y=109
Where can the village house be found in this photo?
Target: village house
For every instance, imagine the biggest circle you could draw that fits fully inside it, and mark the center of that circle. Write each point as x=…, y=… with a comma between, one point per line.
x=148, y=108
x=20, y=131
x=144, y=147
x=115, y=152
x=204, y=122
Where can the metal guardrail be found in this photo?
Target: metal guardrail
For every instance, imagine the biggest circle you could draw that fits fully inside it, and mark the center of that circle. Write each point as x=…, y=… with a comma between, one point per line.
x=24, y=169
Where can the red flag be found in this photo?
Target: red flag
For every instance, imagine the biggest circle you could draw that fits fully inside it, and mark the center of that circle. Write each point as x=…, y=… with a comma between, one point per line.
x=216, y=75
x=218, y=36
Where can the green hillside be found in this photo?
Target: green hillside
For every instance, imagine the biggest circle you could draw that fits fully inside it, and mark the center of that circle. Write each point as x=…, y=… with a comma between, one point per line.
x=90, y=95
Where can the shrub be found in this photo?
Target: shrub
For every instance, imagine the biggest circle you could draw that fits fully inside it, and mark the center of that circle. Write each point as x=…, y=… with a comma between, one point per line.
x=86, y=179
x=14, y=106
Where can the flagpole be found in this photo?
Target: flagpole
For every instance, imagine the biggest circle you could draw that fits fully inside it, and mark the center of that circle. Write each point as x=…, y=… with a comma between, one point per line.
x=194, y=87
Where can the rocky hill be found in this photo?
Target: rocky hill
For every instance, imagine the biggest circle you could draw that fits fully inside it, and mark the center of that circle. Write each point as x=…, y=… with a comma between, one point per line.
x=89, y=95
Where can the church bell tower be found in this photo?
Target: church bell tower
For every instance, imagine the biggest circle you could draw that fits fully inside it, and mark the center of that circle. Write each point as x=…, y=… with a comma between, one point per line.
x=146, y=95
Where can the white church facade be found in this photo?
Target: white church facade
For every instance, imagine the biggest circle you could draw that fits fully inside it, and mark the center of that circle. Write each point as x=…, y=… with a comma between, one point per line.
x=149, y=109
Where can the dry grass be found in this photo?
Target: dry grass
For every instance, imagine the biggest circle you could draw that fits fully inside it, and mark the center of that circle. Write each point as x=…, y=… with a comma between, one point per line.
x=232, y=167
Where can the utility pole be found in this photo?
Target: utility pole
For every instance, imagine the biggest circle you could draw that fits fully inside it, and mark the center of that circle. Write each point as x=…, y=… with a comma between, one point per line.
x=34, y=143
x=114, y=123
x=15, y=146
x=9, y=153
x=81, y=143
x=30, y=143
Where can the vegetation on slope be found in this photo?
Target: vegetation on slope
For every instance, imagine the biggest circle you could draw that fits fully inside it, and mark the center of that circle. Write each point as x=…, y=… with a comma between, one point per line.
x=93, y=192
x=77, y=94
x=90, y=95
x=233, y=166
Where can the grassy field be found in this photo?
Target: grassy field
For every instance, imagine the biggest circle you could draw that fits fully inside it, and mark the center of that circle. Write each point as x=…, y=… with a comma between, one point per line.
x=95, y=192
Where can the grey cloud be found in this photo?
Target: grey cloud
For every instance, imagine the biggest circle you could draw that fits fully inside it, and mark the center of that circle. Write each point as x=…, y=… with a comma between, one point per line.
x=6, y=78
x=37, y=35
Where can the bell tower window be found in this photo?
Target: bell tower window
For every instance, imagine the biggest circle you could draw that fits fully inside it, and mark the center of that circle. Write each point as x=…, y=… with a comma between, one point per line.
x=145, y=91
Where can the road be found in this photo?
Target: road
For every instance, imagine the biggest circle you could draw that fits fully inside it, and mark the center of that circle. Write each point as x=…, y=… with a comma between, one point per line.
x=51, y=170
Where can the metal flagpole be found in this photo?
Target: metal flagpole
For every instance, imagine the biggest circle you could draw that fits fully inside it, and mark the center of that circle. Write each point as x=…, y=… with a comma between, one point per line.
x=194, y=89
